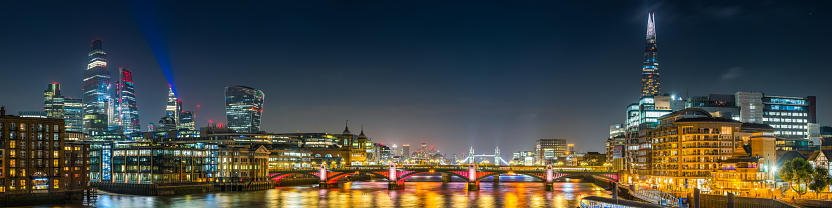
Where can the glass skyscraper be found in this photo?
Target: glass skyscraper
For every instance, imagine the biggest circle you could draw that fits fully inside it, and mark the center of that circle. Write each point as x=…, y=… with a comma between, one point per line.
x=96, y=99
x=53, y=101
x=74, y=114
x=128, y=113
x=243, y=108
x=186, y=120
x=55, y=105
x=174, y=107
x=650, y=84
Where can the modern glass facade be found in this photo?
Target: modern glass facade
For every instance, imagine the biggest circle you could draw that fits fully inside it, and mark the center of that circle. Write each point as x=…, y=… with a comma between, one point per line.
x=789, y=116
x=174, y=107
x=128, y=113
x=650, y=84
x=243, y=108
x=147, y=163
x=96, y=91
x=53, y=101
x=186, y=120
x=74, y=114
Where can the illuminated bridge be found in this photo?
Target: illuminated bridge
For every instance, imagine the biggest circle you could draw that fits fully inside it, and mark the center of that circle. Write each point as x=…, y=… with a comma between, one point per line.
x=472, y=174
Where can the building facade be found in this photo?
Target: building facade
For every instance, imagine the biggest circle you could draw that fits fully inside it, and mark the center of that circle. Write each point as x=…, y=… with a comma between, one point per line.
x=688, y=145
x=173, y=108
x=34, y=157
x=243, y=108
x=243, y=164
x=650, y=84
x=96, y=100
x=128, y=112
x=547, y=150
x=152, y=163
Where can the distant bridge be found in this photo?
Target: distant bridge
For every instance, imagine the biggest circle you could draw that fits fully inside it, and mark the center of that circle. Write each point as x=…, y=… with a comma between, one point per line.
x=472, y=174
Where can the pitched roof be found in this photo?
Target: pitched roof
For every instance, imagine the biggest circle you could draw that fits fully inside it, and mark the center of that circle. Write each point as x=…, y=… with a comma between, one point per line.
x=814, y=155
x=788, y=156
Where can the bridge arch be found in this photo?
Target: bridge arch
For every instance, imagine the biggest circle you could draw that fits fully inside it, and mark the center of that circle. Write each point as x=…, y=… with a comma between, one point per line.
x=417, y=172
x=282, y=175
x=339, y=175
x=521, y=173
x=600, y=175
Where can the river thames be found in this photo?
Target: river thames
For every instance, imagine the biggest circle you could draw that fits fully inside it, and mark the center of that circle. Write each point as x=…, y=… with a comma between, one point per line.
x=418, y=193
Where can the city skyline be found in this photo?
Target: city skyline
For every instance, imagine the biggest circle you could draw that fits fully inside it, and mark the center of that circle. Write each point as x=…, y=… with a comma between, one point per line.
x=518, y=97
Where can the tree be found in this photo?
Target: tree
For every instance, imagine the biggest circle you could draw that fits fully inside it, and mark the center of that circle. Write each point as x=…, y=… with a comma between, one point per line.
x=820, y=180
x=798, y=173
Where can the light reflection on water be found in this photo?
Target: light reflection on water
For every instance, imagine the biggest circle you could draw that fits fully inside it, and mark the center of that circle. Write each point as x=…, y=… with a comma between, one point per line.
x=375, y=194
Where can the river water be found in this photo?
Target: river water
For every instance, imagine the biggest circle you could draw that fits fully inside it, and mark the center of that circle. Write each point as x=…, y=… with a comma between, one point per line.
x=417, y=193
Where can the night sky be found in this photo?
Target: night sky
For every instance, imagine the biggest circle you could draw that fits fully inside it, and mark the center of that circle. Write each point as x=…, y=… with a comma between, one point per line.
x=452, y=74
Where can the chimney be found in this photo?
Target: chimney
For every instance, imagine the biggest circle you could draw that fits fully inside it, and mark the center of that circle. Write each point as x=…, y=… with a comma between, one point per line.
x=2, y=110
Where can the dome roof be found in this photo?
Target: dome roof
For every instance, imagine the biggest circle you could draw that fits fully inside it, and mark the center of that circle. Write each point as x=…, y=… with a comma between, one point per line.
x=347, y=128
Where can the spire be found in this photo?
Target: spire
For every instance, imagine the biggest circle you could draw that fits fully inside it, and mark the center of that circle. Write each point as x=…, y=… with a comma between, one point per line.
x=347, y=128
x=651, y=26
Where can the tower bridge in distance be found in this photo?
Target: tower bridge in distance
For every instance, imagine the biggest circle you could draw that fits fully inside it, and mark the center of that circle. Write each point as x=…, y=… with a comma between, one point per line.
x=472, y=173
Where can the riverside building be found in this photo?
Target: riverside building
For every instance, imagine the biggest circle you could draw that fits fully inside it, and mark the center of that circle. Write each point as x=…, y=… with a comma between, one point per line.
x=688, y=145
x=34, y=157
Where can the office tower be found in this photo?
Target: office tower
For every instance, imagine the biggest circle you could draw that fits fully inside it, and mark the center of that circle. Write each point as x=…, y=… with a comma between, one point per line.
x=791, y=117
x=53, y=101
x=405, y=151
x=128, y=113
x=423, y=151
x=166, y=124
x=616, y=130
x=394, y=150
x=751, y=106
x=650, y=84
x=186, y=120
x=570, y=149
x=243, y=108
x=74, y=114
x=96, y=91
x=174, y=107
x=549, y=149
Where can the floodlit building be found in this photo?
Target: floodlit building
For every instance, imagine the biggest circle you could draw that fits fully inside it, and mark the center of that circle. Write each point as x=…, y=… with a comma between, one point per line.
x=547, y=150
x=34, y=157
x=688, y=145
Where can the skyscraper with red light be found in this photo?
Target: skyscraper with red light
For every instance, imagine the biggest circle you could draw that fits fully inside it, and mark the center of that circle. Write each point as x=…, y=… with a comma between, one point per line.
x=128, y=113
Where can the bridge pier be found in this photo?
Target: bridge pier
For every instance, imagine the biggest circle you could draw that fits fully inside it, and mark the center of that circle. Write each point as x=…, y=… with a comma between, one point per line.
x=496, y=178
x=326, y=185
x=473, y=183
x=395, y=185
x=550, y=175
x=473, y=186
x=446, y=177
